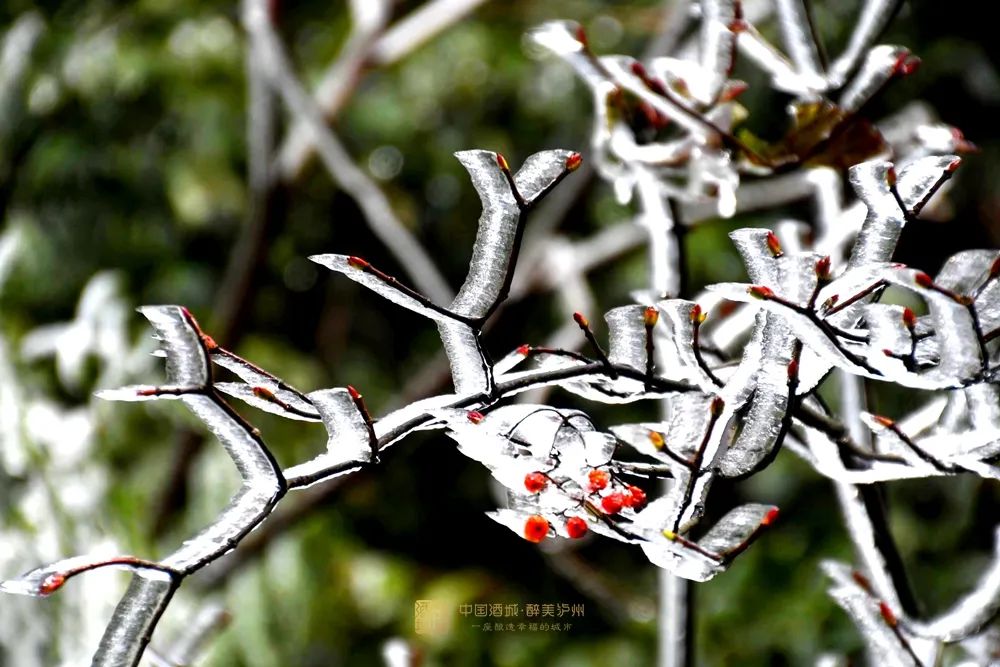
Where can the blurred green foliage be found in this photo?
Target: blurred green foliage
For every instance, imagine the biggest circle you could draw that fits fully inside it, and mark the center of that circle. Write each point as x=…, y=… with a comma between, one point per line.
x=130, y=154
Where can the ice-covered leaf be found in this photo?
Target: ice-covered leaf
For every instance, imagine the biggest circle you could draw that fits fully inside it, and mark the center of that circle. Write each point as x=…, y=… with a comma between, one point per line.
x=737, y=528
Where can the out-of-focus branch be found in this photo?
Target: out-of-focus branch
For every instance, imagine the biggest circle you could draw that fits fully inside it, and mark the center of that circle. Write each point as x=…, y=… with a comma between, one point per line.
x=346, y=174
x=366, y=48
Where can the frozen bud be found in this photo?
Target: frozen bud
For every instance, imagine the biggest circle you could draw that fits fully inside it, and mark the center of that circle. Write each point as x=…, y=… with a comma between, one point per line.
x=770, y=517
x=573, y=162
x=357, y=262
x=264, y=393
x=909, y=319
x=717, y=406
x=52, y=583
x=475, y=416
x=888, y=615
x=760, y=292
x=883, y=421
x=907, y=63
x=502, y=162
x=524, y=350
x=793, y=369
x=355, y=394
x=924, y=280
x=658, y=440
x=823, y=268
x=582, y=321
x=995, y=268
x=650, y=316
x=774, y=245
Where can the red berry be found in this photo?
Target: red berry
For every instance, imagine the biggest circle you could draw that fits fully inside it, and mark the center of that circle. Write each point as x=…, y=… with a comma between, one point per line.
x=535, y=481
x=635, y=497
x=536, y=528
x=598, y=479
x=613, y=503
x=576, y=527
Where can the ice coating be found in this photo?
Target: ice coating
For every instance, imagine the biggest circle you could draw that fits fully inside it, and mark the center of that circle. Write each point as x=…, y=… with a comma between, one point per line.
x=470, y=371
x=135, y=617
x=735, y=528
x=717, y=45
x=627, y=336
x=261, y=488
x=276, y=401
x=880, y=65
x=864, y=610
x=793, y=19
x=342, y=264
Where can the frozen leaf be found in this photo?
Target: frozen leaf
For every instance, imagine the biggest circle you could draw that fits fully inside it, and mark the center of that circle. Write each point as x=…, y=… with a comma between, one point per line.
x=737, y=528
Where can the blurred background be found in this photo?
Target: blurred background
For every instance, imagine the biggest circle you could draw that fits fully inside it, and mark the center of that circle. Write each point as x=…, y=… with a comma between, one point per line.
x=123, y=181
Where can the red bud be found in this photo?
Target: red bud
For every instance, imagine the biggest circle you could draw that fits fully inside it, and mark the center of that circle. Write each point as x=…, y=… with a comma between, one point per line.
x=793, y=369
x=502, y=162
x=639, y=70
x=823, y=268
x=774, y=245
x=475, y=416
x=264, y=393
x=52, y=583
x=907, y=63
x=357, y=262
x=760, y=292
x=717, y=405
x=581, y=320
x=573, y=162
x=887, y=615
x=657, y=439
x=883, y=421
x=909, y=319
x=770, y=517
x=524, y=350
x=650, y=316
x=995, y=268
x=924, y=280
x=355, y=394
x=581, y=36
